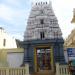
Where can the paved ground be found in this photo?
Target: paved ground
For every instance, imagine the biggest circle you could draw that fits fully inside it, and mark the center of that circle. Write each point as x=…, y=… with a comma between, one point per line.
x=44, y=73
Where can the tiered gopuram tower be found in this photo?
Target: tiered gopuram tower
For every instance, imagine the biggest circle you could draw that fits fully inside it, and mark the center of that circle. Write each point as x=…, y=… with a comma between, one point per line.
x=43, y=42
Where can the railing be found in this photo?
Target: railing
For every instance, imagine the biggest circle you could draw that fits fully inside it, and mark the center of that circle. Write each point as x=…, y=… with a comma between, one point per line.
x=62, y=69
x=15, y=71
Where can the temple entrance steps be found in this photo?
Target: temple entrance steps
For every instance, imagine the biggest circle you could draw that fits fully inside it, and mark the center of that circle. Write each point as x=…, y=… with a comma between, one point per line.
x=43, y=72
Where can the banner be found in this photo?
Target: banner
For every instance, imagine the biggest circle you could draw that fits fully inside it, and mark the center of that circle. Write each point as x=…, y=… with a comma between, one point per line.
x=71, y=52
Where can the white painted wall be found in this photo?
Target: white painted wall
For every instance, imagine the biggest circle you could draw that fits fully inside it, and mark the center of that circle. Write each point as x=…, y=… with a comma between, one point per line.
x=15, y=59
x=10, y=42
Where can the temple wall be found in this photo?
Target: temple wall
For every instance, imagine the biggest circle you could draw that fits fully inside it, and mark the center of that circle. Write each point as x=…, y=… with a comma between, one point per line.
x=15, y=59
x=6, y=41
x=11, y=57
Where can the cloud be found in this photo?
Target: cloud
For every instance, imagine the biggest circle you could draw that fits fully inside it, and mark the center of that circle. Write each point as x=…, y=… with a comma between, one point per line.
x=6, y=12
x=15, y=14
x=19, y=36
x=64, y=11
x=12, y=2
x=39, y=0
x=12, y=19
x=15, y=2
x=12, y=16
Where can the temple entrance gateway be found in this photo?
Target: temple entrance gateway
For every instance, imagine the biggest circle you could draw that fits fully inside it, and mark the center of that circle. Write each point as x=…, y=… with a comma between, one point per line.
x=43, y=42
x=43, y=59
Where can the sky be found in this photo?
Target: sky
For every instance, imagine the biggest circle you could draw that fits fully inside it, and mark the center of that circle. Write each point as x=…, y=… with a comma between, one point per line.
x=14, y=15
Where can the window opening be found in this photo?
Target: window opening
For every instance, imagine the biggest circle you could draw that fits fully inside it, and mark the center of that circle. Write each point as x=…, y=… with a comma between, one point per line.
x=42, y=21
x=42, y=35
x=4, y=42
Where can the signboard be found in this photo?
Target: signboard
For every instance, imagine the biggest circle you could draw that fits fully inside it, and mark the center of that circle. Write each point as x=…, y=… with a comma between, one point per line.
x=71, y=52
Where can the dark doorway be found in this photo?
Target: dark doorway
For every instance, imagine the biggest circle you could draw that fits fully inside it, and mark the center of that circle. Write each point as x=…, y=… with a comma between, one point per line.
x=43, y=59
x=42, y=35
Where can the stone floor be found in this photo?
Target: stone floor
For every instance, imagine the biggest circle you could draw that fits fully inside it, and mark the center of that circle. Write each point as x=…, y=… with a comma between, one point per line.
x=44, y=73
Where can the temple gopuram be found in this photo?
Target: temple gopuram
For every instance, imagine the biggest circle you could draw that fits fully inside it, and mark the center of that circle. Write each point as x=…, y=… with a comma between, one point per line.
x=43, y=42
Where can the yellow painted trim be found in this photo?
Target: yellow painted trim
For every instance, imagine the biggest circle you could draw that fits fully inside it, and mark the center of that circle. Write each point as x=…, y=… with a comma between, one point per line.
x=35, y=56
x=3, y=58
x=42, y=46
x=35, y=59
x=13, y=50
x=51, y=55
